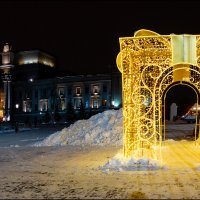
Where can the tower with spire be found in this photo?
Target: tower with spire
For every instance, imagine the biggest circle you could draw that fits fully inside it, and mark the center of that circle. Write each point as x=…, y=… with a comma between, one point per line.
x=7, y=60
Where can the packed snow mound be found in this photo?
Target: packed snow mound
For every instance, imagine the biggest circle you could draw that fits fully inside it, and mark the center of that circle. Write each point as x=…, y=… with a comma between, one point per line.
x=120, y=163
x=101, y=129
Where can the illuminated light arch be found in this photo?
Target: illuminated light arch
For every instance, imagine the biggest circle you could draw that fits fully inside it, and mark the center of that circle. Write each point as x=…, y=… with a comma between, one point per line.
x=149, y=64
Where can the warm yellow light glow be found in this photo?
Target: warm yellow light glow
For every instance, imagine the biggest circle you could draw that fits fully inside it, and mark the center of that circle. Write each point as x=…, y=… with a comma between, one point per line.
x=35, y=56
x=30, y=61
x=194, y=108
x=149, y=64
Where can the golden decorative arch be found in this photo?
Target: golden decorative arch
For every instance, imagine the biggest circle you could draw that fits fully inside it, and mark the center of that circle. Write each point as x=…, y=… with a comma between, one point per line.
x=149, y=64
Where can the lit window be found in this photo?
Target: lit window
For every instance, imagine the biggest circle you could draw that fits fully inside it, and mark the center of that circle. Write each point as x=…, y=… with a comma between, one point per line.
x=62, y=105
x=43, y=105
x=95, y=103
x=27, y=106
x=95, y=89
x=78, y=91
x=104, y=101
x=61, y=91
x=77, y=103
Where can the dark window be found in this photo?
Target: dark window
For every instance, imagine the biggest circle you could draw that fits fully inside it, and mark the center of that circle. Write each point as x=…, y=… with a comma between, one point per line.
x=28, y=94
x=104, y=88
x=44, y=93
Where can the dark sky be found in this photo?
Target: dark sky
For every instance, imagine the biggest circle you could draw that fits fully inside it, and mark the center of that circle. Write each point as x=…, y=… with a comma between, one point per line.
x=183, y=96
x=84, y=35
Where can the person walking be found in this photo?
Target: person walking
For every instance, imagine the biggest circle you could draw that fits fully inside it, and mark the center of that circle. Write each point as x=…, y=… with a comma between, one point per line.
x=16, y=127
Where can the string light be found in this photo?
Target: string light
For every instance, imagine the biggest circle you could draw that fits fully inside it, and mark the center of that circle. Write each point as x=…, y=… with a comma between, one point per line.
x=149, y=64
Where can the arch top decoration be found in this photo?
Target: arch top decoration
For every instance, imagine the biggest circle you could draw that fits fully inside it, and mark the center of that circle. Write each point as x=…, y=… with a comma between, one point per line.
x=149, y=63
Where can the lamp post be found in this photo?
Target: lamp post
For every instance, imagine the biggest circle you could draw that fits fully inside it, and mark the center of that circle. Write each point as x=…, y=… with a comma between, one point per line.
x=7, y=58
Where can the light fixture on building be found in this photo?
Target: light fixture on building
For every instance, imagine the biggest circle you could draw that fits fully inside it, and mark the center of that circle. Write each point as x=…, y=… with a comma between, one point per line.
x=113, y=102
x=30, y=80
x=17, y=106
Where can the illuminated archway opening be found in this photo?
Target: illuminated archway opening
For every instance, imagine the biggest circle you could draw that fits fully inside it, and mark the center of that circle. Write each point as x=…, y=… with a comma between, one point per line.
x=185, y=96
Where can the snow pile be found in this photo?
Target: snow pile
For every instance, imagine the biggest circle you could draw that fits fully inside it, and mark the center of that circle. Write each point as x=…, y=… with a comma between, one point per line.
x=101, y=129
x=120, y=163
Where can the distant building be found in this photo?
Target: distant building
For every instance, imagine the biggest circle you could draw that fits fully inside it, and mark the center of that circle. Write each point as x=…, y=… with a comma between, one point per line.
x=33, y=64
x=38, y=90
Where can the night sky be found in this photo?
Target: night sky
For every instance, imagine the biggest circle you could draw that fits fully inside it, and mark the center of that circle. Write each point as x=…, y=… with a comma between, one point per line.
x=183, y=96
x=84, y=35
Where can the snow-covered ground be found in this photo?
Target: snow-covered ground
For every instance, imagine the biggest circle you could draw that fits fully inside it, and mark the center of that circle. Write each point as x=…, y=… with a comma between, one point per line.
x=25, y=136
x=80, y=162
x=102, y=129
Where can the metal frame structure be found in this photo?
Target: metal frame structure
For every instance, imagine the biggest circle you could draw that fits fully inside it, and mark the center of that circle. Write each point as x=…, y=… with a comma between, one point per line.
x=150, y=63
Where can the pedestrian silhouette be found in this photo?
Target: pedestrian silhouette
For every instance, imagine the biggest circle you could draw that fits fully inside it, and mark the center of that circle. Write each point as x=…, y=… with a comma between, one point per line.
x=16, y=127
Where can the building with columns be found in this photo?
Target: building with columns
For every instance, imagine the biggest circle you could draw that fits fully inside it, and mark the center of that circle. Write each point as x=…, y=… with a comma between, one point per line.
x=37, y=89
